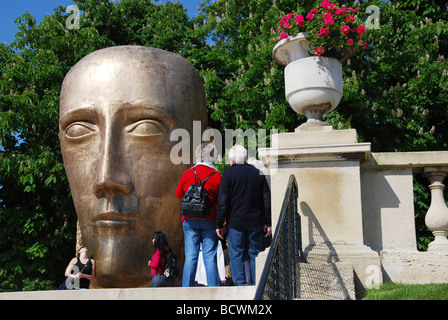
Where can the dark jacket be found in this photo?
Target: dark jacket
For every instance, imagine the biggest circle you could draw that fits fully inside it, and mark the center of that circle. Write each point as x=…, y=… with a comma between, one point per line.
x=244, y=198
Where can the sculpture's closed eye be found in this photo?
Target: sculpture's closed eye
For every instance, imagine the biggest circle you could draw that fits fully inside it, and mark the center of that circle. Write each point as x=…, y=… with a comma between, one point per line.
x=79, y=130
x=147, y=127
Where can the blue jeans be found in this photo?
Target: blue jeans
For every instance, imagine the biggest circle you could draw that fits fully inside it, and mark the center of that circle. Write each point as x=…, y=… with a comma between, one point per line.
x=243, y=242
x=159, y=280
x=195, y=232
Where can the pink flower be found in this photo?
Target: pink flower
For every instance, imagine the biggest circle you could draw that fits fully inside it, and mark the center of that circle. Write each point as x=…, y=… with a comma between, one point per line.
x=333, y=6
x=282, y=21
x=283, y=35
x=328, y=18
x=330, y=22
x=345, y=29
x=324, y=31
x=327, y=15
x=325, y=3
x=314, y=11
x=338, y=12
x=319, y=51
x=361, y=29
x=310, y=16
x=300, y=20
x=350, y=41
x=350, y=18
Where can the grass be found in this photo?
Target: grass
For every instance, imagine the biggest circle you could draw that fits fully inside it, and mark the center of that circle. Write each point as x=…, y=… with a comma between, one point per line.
x=399, y=291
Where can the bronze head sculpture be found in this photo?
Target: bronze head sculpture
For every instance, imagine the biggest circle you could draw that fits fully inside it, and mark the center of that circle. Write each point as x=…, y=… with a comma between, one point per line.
x=118, y=107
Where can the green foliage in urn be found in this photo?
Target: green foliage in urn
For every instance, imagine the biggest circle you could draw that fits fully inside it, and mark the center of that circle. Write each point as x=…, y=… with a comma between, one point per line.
x=333, y=30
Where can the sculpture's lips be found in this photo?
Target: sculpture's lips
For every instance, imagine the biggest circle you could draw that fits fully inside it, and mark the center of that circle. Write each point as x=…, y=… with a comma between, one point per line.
x=113, y=217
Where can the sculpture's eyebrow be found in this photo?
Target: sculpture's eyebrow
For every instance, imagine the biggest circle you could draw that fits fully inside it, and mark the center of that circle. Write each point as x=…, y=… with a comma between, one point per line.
x=129, y=111
x=136, y=110
x=77, y=114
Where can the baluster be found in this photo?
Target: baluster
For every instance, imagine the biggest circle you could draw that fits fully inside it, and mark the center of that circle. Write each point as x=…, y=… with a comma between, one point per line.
x=437, y=216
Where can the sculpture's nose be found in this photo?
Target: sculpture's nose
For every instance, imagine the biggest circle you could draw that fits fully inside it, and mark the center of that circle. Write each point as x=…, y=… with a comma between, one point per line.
x=112, y=178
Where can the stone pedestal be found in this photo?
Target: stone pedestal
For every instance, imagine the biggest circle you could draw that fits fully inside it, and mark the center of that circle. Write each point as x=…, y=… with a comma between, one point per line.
x=327, y=169
x=326, y=165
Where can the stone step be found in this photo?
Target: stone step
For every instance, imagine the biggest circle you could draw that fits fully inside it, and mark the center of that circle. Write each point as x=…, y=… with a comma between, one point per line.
x=326, y=281
x=196, y=293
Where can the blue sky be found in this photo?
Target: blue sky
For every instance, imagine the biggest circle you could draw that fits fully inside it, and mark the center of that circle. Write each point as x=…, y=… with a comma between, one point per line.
x=10, y=10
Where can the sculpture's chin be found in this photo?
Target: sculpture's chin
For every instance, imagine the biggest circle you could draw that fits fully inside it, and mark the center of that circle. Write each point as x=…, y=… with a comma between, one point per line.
x=121, y=259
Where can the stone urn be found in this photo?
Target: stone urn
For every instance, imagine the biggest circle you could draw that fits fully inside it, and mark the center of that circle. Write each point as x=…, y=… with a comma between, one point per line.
x=313, y=85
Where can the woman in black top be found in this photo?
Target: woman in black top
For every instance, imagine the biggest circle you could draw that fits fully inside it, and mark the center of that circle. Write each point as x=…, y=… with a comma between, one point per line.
x=80, y=270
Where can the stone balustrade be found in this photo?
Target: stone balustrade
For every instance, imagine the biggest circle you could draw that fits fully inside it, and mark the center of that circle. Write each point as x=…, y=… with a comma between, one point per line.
x=434, y=166
x=362, y=202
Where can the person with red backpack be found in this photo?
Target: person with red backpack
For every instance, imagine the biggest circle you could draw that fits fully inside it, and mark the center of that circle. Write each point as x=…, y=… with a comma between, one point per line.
x=199, y=228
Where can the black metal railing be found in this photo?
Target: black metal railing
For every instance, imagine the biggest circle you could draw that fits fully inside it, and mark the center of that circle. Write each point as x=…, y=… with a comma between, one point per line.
x=279, y=280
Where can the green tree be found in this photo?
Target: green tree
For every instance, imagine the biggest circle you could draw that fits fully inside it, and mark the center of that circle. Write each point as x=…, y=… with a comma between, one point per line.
x=37, y=217
x=245, y=87
x=397, y=97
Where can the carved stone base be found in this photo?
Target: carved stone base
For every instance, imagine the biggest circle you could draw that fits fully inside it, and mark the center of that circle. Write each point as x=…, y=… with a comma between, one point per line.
x=314, y=119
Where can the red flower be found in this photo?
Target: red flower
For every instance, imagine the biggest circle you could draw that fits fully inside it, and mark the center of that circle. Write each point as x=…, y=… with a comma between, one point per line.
x=327, y=15
x=300, y=20
x=283, y=35
x=330, y=22
x=361, y=29
x=319, y=21
x=291, y=15
x=345, y=29
x=333, y=6
x=328, y=18
x=324, y=31
x=350, y=18
x=319, y=51
x=282, y=21
x=325, y=3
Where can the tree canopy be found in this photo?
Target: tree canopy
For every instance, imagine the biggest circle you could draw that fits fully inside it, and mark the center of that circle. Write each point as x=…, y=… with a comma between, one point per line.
x=395, y=97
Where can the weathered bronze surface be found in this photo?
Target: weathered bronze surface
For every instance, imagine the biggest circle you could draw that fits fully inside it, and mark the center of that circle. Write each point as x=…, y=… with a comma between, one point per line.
x=118, y=107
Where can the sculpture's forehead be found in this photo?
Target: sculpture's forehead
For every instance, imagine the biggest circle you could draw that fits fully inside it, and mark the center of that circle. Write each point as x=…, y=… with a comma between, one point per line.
x=109, y=77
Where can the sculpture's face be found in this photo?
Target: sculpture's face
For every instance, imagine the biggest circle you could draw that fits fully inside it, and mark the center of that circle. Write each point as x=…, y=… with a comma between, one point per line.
x=118, y=108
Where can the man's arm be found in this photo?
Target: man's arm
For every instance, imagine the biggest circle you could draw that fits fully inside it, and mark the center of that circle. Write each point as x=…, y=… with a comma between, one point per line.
x=223, y=205
x=267, y=203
